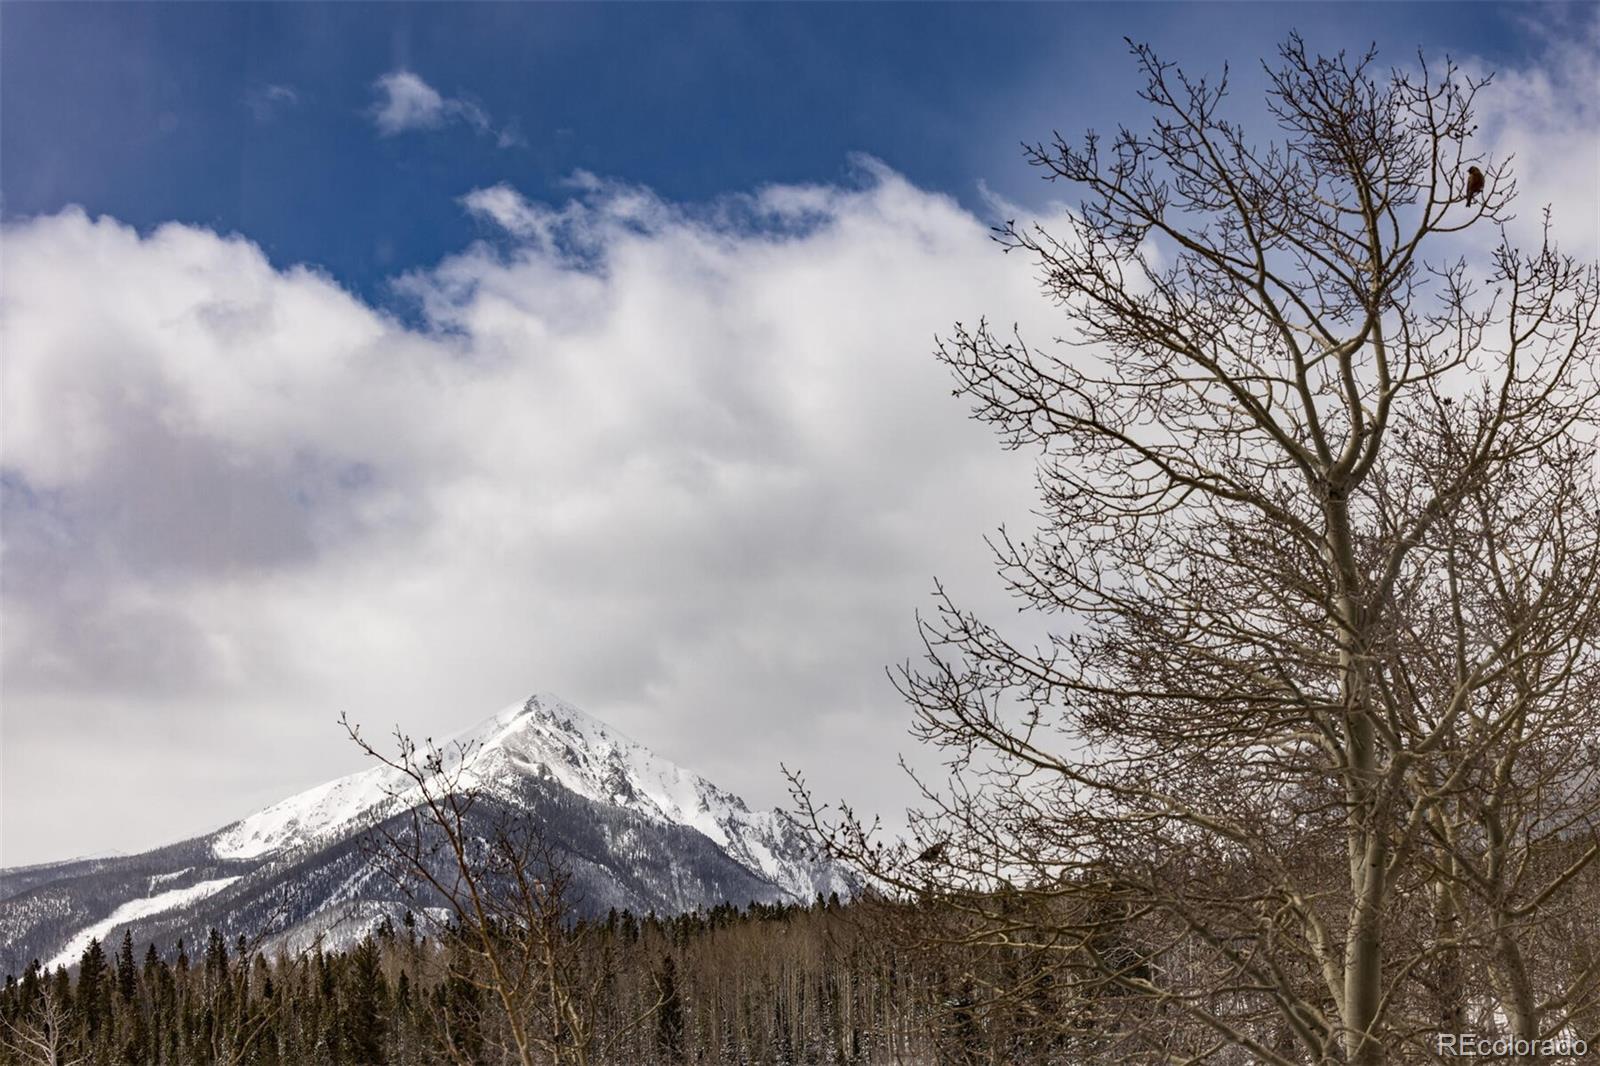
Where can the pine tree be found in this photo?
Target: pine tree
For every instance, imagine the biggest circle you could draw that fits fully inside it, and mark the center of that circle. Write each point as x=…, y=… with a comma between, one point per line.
x=135, y=1045
x=216, y=957
x=363, y=1006
x=92, y=989
x=32, y=984
x=61, y=987
x=462, y=1014
x=669, y=1016
x=125, y=972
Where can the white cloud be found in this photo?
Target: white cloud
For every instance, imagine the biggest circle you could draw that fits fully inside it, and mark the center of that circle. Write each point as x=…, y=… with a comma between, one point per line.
x=692, y=467
x=504, y=206
x=406, y=102
x=266, y=101
x=1547, y=116
x=510, y=136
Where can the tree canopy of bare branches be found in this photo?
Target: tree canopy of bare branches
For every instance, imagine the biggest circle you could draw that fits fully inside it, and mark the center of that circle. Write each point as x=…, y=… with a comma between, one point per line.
x=1308, y=771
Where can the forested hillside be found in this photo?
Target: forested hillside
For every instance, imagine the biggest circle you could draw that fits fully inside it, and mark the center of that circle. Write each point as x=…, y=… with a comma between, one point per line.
x=770, y=984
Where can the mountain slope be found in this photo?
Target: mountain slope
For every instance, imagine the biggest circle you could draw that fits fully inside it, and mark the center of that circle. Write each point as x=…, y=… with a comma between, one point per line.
x=639, y=833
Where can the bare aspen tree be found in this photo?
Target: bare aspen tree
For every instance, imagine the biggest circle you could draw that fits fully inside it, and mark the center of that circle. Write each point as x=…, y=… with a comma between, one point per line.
x=1308, y=773
x=42, y=1037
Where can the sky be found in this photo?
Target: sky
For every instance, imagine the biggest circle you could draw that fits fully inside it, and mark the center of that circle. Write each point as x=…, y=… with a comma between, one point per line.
x=406, y=360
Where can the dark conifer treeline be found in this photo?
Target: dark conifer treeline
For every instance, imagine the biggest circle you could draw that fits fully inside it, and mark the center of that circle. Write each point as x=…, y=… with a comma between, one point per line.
x=765, y=985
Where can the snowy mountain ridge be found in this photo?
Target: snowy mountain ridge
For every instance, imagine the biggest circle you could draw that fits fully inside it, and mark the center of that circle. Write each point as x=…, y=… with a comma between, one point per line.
x=639, y=832
x=546, y=736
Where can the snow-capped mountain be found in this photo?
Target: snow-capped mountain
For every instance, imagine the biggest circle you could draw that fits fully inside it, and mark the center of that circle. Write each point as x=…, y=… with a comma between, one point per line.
x=548, y=738
x=638, y=832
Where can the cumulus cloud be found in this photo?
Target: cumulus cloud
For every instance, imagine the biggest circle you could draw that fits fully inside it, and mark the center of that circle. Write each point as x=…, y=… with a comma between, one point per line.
x=405, y=102
x=690, y=465
x=693, y=467
x=1546, y=117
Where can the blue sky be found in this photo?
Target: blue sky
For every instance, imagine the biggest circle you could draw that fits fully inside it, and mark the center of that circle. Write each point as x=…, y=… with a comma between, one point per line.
x=405, y=360
x=256, y=118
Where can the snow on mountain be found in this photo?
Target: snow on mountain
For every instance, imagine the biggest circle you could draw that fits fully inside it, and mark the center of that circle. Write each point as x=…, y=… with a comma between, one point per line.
x=640, y=833
x=313, y=814
x=547, y=735
x=549, y=738
x=133, y=910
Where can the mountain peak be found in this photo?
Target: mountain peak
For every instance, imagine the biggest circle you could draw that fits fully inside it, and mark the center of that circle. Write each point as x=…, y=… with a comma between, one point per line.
x=550, y=707
x=550, y=737
x=641, y=832
x=546, y=737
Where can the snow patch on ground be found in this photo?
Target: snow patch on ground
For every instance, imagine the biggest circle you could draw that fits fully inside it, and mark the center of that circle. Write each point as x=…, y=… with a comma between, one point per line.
x=135, y=909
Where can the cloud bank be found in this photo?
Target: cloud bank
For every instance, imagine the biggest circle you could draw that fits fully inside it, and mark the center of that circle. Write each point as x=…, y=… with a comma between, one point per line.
x=693, y=468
